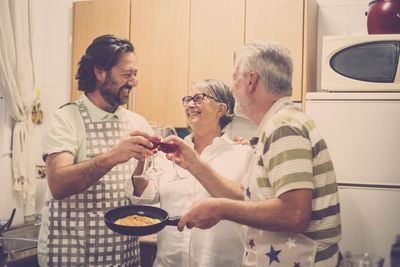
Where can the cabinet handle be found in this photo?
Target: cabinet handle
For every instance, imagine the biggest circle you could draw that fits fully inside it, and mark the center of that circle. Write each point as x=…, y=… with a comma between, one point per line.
x=233, y=59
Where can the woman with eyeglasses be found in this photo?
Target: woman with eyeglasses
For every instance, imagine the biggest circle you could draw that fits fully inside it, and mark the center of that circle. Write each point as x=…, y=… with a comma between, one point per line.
x=209, y=108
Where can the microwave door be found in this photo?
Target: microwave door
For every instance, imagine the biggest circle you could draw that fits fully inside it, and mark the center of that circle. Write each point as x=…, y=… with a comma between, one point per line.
x=370, y=62
x=361, y=63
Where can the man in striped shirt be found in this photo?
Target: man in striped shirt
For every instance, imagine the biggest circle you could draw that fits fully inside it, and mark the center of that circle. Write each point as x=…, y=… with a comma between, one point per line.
x=291, y=211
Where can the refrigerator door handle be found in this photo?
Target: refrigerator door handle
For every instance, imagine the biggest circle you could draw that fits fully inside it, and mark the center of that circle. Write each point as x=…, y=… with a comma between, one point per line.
x=371, y=186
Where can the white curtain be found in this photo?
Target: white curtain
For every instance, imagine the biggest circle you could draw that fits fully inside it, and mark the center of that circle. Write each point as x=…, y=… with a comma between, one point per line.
x=17, y=86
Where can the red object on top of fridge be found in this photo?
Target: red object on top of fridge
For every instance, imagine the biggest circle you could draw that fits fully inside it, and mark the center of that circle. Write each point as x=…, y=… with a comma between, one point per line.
x=383, y=17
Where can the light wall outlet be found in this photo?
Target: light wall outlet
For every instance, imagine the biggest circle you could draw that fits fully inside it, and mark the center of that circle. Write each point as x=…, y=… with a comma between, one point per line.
x=41, y=172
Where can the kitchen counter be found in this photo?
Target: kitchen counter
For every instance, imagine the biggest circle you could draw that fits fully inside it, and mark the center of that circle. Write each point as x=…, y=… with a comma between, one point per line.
x=21, y=249
x=19, y=246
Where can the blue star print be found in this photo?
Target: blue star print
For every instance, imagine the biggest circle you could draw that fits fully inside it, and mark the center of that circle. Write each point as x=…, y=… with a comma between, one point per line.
x=273, y=255
x=248, y=193
x=297, y=264
x=251, y=243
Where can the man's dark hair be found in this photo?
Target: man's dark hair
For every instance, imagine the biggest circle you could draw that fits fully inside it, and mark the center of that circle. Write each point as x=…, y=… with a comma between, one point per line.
x=104, y=53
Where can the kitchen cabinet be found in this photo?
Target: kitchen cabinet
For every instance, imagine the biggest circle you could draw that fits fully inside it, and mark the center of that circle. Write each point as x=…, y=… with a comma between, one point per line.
x=181, y=41
x=160, y=34
x=216, y=32
x=90, y=20
x=159, y=31
x=219, y=28
x=294, y=24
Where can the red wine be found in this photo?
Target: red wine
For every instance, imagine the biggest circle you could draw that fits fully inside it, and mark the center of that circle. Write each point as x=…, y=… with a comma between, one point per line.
x=168, y=148
x=155, y=141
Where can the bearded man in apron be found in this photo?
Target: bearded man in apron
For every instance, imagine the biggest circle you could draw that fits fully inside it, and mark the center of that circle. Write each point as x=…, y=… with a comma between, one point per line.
x=91, y=148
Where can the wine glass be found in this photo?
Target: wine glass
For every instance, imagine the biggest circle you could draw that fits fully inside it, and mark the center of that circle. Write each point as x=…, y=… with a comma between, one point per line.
x=149, y=169
x=169, y=147
x=152, y=170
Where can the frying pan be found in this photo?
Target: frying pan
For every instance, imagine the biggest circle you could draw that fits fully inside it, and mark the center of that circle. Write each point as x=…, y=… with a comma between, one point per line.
x=149, y=211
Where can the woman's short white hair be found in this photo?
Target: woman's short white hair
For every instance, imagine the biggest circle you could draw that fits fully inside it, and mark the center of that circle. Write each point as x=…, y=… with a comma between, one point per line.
x=272, y=62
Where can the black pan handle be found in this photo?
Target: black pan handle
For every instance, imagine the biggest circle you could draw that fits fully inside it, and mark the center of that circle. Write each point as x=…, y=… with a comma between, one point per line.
x=173, y=220
x=8, y=224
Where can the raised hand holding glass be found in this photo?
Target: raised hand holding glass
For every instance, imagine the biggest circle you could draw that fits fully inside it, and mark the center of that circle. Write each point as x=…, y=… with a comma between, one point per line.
x=170, y=148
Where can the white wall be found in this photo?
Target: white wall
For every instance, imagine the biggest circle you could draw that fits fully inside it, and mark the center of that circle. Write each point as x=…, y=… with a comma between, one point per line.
x=8, y=201
x=340, y=17
x=52, y=53
x=52, y=56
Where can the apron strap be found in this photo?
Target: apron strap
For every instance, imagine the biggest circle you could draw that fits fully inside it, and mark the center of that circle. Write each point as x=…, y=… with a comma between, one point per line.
x=84, y=112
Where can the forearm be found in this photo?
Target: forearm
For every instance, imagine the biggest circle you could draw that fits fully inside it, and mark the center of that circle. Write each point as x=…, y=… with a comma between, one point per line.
x=66, y=179
x=272, y=215
x=215, y=184
x=259, y=215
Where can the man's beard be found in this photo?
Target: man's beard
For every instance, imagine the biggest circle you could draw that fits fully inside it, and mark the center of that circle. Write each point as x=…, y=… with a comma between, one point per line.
x=114, y=99
x=241, y=109
x=238, y=110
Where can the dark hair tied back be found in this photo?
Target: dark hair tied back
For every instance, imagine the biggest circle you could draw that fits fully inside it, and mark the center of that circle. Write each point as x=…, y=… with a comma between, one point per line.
x=104, y=53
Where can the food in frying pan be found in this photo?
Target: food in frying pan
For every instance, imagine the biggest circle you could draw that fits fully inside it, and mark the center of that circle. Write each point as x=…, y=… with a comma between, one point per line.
x=136, y=220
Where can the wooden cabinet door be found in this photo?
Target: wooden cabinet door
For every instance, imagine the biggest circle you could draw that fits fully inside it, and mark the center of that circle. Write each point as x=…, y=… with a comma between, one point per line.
x=281, y=21
x=160, y=34
x=310, y=48
x=90, y=20
x=216, y=32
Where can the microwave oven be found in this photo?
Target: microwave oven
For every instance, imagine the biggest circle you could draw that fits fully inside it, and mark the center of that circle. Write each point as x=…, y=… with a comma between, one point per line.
x=361, y=63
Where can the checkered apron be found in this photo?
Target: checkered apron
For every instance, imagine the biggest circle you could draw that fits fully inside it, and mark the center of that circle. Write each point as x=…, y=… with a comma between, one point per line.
x=78, y=235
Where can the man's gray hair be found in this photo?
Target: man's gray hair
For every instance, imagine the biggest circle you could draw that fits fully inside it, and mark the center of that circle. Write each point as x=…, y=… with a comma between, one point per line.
x=272, y=62
x=220, y=91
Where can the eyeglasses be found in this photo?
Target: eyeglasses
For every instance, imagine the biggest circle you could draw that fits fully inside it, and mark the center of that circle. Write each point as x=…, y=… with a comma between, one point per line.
x=197, y=99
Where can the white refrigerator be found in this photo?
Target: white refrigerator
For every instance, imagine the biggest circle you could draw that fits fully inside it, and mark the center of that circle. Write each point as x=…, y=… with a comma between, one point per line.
x=362, y=131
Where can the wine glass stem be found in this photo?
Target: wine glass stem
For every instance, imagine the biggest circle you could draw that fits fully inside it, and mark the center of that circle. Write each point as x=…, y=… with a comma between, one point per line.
x=176, y=170
x=153, y=164
x=145, y=166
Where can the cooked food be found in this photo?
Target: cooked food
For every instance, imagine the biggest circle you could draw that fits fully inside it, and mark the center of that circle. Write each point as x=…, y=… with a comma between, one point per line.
x=136, y=220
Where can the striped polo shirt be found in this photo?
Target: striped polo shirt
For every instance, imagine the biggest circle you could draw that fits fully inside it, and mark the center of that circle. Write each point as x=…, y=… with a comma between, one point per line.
x=291, y=154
